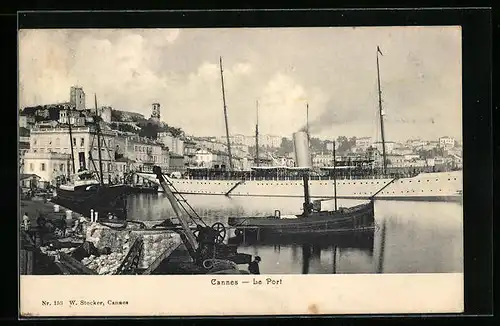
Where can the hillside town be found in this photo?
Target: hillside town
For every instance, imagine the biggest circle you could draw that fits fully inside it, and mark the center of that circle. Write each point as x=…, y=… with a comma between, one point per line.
x=132, y=142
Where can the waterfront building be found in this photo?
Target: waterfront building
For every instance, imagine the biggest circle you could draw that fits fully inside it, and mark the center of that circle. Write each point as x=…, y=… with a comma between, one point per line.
x=29, y=181
x=174, y=144
x=389, y=146
x=47, y=165
x=322, y=160
x=363, y=143
x=144, y=152
x=176, y=162
x=211, y=159
x=85, y=146
x=77, y=98
x=190, y=149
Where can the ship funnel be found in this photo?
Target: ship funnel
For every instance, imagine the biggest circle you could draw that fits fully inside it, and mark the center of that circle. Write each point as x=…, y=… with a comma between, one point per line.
x=301, y=145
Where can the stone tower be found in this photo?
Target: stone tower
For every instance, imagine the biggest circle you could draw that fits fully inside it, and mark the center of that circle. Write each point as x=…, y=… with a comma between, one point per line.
x=155, y=113
x=77, y=97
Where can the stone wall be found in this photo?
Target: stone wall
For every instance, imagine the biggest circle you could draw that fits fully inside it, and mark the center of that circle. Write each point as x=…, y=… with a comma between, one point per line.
x=155, y=242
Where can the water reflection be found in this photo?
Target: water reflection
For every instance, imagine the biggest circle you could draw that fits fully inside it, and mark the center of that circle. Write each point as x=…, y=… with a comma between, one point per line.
x=411, y=237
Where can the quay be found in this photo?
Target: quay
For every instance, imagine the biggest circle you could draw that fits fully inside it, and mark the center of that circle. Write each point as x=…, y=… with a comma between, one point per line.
x=70, y=244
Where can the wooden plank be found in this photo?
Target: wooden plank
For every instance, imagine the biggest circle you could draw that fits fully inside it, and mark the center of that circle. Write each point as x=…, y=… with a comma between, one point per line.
x=30, y=262
x=23, y=261
x=64, y=270
x=75, y=264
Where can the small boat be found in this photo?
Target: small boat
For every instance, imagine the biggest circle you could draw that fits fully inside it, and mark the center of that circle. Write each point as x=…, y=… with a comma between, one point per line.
x=356, y=219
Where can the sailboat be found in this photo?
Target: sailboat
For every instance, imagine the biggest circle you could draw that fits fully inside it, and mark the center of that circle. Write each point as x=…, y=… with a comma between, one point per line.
x=86, y=190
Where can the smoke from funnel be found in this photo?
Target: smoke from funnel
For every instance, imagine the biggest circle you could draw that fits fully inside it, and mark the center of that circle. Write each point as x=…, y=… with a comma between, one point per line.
x=328, y=118
x=301, y=146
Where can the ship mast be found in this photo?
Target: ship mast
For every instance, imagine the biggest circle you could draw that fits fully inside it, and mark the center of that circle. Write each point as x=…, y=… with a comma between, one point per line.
x=381, y=112
x=71, y=140
x=98, y=130
x=225, y=117
x=334, y=176
x=307, y=123
x=257, y=134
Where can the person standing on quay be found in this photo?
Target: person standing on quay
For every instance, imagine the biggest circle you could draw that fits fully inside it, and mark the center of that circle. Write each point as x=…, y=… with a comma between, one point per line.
x=253, y=267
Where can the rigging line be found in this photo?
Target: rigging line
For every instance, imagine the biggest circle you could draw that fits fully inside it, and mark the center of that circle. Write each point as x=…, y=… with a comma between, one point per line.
x=186, y=202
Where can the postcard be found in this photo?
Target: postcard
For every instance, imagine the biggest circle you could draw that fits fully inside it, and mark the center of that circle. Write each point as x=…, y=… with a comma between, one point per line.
x=240, y=171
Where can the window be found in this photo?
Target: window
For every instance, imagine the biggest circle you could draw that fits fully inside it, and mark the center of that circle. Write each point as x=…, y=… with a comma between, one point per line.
x=32, y=167
x=74, y=141
x=82, y=142
x=42, y=167
x=61, y=167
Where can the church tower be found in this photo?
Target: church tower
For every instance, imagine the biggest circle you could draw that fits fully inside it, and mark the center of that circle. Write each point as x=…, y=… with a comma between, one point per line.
x=155, y=113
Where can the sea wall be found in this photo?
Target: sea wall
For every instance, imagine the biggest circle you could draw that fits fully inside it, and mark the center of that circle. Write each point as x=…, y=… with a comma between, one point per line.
x=120, y=241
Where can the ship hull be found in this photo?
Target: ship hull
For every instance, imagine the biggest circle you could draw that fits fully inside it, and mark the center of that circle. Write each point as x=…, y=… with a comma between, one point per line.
x=439, y=186
x=102, y=199
x=358, y=219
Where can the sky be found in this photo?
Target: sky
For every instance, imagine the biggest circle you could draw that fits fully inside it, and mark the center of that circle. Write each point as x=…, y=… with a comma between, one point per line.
x=333, y=70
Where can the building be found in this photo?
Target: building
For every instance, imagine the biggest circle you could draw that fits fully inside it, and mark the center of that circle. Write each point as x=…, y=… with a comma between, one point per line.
x=75, y=118
x=23, y=121
x=211, y=159
x=29, y=181
x=395, y=160
x=329, y=146
x=174, y=144
x=105, y=113
x=389, y=146
x=402, y=151
x=446, y=142
x=85, y=146
x=47, y=165
x=322, y=160
x=143, y=152
x=155, y=112
x=190, y=149
x=176, y=162
x=363, y=143
x=416, y=144
x=77, y=98
x=430, y=145
x=211, y=144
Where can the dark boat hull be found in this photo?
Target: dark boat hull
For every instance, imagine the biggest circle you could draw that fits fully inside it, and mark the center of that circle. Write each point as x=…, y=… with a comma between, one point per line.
x=102, y=199
x=358, y=219
x=143, y=190
x=362, y=240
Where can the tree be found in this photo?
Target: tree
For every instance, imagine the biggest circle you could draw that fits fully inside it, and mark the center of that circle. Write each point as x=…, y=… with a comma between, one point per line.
x=286, y=147
x=150, y=130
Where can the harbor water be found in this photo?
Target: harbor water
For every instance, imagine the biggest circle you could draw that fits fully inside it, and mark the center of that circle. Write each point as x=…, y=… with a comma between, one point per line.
x=410, y=237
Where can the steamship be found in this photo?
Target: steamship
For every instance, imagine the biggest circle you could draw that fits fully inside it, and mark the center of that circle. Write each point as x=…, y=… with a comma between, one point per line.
x=358, y=181
x=354, y=180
